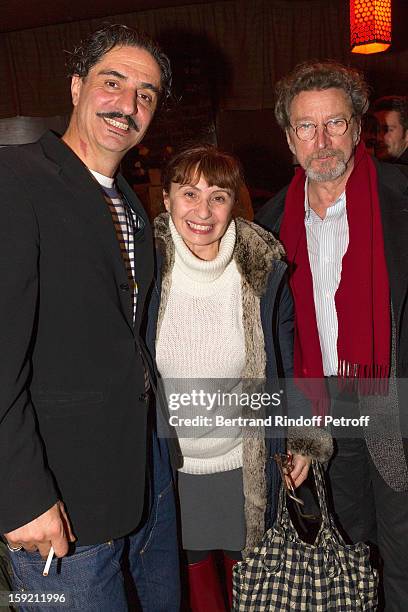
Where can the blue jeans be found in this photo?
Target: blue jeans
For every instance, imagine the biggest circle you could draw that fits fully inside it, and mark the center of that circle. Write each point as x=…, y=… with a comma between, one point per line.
x=97, y=578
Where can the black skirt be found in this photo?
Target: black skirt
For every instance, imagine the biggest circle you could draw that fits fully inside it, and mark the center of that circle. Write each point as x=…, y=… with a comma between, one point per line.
x=212, y=510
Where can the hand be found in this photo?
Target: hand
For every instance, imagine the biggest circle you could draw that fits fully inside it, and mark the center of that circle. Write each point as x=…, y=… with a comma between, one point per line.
x=49, y=529
x=299, y=471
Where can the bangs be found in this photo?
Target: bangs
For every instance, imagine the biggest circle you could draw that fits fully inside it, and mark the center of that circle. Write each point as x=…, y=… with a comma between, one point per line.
x=217, y=172
x=218, y=168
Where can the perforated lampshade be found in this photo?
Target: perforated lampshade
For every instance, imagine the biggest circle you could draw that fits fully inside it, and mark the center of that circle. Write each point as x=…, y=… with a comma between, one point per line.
x=370, y=25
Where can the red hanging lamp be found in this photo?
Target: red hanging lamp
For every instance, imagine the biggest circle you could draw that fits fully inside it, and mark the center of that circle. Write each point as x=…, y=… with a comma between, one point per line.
x=370, y=25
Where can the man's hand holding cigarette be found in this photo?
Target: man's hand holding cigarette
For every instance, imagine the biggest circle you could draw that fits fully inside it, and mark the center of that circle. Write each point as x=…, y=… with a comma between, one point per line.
x=50, y=529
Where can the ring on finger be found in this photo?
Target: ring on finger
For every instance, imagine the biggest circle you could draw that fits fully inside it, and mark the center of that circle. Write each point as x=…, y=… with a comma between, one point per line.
x=14, y=548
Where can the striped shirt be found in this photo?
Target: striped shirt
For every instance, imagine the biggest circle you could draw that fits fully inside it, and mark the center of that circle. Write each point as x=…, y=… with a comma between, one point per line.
x=327, y=242
x=126, y=223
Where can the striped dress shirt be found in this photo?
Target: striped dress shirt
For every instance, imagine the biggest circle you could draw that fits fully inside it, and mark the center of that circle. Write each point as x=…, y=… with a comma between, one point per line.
x=327, y=242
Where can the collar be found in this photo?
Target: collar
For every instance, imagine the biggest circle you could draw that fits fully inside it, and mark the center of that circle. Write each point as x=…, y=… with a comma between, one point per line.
x=105, y=181
x=256, y=250
x=335, y=211
x=198, y=269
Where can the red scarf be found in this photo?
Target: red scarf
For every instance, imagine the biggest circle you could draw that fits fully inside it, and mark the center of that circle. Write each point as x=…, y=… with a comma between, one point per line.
x=363, y=296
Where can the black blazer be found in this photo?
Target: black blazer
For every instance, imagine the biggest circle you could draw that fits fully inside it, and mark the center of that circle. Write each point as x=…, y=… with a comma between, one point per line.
x=73, y=411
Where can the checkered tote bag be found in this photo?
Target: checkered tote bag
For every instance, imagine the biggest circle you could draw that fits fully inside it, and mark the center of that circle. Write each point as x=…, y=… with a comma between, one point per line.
x=284, y=573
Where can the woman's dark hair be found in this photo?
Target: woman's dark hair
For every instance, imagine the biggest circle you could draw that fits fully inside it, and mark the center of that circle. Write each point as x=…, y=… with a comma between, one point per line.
x=217, y=167
x=90, y=51
x=312, y=76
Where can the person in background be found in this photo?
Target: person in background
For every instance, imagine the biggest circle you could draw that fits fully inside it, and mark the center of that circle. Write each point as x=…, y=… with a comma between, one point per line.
x=344, y=226
x=391, y=113
x=221, y=316
x=78, y=458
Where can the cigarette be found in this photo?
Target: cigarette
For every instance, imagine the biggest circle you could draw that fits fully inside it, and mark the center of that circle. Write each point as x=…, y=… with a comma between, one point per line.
x=48, y=562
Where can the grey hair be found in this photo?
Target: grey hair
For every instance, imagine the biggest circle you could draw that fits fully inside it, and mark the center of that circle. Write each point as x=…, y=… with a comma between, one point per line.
x=317, y=76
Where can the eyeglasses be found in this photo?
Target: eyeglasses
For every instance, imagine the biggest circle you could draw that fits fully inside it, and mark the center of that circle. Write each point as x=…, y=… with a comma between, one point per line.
x=284, y=463
x=333, y=127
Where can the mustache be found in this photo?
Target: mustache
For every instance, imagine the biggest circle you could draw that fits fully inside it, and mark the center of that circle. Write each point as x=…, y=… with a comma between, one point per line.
x=326, y=153
x=116, y=115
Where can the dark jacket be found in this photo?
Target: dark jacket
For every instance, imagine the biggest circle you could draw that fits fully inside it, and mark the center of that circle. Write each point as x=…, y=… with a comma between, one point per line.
x=393, y=196
x=258, y=257
x=402, y=159
x=73, y=407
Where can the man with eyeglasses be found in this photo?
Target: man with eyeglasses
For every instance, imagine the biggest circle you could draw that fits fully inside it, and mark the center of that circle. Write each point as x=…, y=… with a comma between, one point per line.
x=343, y=220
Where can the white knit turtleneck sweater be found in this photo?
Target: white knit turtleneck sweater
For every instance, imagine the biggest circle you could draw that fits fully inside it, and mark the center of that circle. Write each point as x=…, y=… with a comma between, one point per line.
x=202, y=337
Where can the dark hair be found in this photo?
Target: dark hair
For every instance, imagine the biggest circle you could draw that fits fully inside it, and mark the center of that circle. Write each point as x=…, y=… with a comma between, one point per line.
x=218, y=168
x=313, y=75
x=90, y=51
x=393, y=103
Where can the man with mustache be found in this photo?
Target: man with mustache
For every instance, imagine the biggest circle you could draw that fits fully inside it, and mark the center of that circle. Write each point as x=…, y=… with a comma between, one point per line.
x=129, y=119
x=80, y=469
x=343, y=221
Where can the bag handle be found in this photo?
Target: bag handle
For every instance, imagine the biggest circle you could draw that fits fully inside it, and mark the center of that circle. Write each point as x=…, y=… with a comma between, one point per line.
x=320, y=490
x=328, y=534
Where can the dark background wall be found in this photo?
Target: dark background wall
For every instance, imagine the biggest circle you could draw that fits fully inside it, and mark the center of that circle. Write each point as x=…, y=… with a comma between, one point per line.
x=227, y=56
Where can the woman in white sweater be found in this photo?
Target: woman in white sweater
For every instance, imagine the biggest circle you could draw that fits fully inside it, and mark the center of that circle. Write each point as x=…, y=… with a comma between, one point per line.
x=221, y=316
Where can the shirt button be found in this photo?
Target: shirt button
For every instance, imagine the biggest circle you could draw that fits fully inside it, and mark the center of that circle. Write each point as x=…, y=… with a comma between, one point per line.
x=124, y=287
